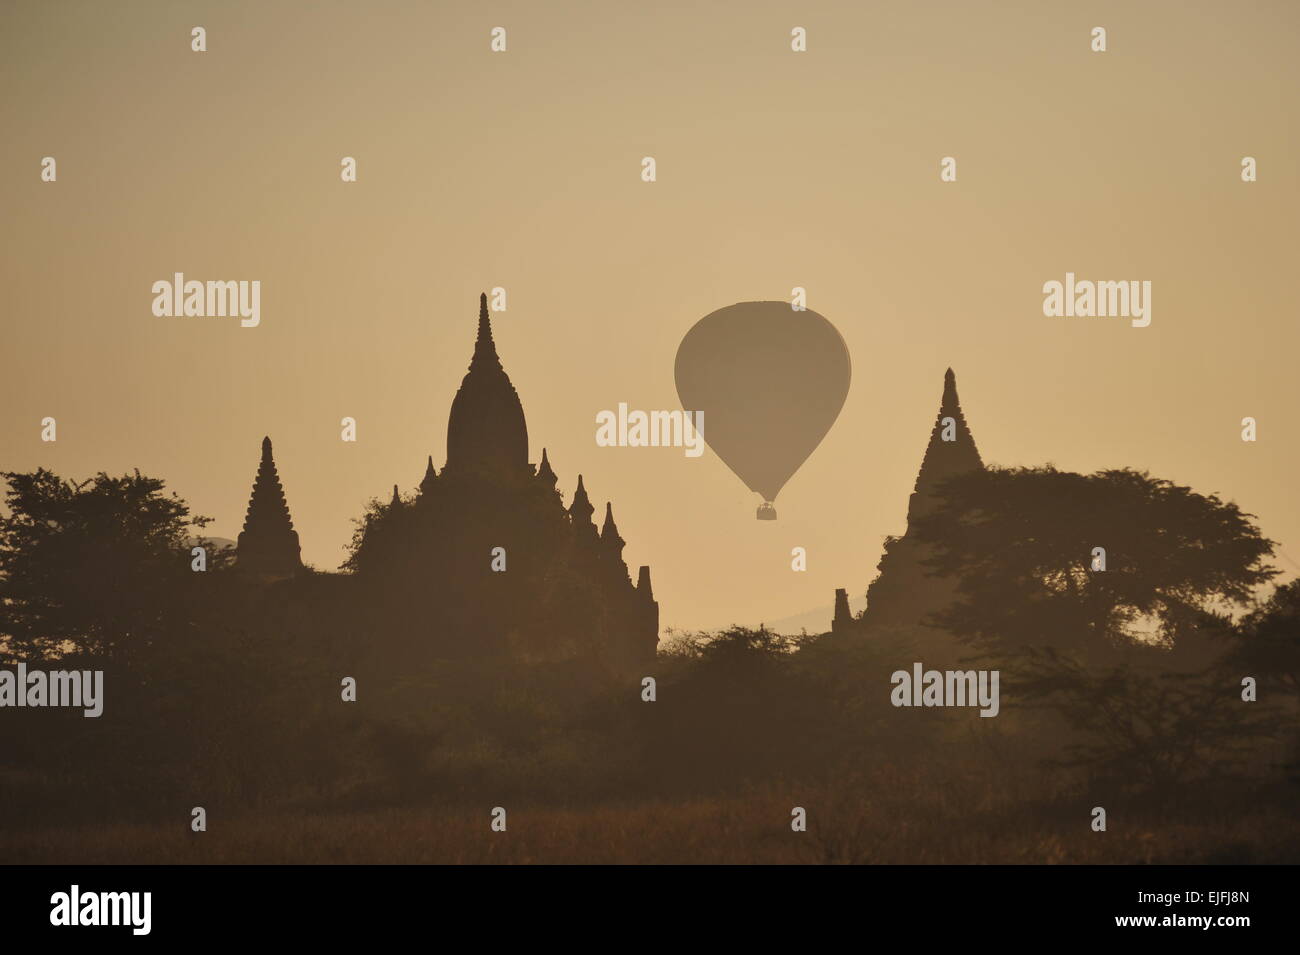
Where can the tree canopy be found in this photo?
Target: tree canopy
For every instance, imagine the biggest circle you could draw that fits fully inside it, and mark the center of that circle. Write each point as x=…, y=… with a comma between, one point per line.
x=1022, y=543
x=93, y=566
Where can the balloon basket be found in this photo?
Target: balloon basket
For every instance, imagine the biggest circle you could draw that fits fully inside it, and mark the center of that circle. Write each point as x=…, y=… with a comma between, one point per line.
x=766, y=512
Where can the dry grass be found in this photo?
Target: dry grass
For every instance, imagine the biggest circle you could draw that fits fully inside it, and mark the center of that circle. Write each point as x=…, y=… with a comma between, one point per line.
x=960, y=821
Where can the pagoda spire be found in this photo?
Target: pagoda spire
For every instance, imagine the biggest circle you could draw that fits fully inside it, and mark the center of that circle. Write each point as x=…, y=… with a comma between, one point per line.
x=609, y=532
x=951, y=451
x=580, y=512
x=486, y=431
x=397, y=498
x=544, y=472
x=268, y=544
x=430, y=476
x=581, y=509
x=485, y=349
x=905, y=592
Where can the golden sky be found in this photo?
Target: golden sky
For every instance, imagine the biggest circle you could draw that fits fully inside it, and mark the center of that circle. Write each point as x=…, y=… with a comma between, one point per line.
x=775, y=169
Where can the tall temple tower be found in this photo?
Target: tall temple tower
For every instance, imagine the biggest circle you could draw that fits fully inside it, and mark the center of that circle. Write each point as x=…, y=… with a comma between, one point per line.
x=904, y=593
x=562, y=588
x=951, y=451
x=268, y=544
x=486, y=433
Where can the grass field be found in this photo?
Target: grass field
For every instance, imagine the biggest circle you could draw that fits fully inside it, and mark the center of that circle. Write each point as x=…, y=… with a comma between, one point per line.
x=955, y=821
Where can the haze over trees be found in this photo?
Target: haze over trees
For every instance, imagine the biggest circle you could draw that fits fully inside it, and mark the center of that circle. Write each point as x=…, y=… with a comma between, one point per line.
x=98, y=567
x=1048, y=557
x=1128, y=681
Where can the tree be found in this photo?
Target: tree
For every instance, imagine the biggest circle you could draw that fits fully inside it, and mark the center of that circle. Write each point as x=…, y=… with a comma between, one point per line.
x=1142, y=720
x=1021, y=545
x=1270, y=639
x=100, y=567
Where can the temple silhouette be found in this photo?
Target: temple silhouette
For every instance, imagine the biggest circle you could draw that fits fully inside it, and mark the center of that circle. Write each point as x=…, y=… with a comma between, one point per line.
x=268, y=544
x=482, y=558
x=904, y=593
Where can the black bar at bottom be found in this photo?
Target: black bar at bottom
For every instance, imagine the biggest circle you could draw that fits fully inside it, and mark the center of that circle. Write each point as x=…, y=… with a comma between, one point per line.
x=333, y=904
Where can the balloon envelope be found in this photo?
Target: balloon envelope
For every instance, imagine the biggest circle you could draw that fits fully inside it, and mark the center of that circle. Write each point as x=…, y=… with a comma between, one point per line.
x=770, y=380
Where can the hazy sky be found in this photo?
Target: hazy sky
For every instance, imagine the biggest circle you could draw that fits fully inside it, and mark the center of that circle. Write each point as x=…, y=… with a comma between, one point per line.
x=775, y=169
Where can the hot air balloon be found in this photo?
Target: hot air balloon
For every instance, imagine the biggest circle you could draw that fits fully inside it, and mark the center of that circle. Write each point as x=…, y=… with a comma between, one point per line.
x=771, y=381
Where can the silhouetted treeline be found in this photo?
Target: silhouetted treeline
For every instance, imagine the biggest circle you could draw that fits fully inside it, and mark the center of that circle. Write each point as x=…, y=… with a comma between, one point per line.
x=224, y=692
